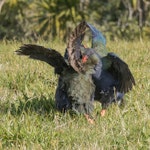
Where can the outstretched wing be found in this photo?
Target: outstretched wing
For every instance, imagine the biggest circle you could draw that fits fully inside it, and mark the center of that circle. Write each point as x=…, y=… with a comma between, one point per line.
x=50, y=56
x=119, y=69
x=73, y=47
x=98, y=41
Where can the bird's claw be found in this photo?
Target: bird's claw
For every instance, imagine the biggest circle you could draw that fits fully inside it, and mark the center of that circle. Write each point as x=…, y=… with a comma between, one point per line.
x=102, y=113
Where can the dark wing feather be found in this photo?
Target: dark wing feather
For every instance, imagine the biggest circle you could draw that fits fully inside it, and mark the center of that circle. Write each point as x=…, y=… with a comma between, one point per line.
x=73, y=48
x=120, y=70
x=49, y=56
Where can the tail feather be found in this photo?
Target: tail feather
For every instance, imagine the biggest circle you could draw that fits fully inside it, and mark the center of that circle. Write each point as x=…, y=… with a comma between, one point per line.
x=50, y=56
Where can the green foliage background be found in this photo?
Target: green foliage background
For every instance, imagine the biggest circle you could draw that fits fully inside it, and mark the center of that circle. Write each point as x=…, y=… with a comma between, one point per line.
x=127, y=19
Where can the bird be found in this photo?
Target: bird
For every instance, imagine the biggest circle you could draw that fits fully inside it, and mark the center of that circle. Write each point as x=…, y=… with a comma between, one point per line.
x=112, y=77
x=75, y=89
x=116, y=78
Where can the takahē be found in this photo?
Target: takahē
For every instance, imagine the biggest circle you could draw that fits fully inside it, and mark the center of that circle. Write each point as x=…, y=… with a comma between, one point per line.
x=75, y=88
x=115, y=79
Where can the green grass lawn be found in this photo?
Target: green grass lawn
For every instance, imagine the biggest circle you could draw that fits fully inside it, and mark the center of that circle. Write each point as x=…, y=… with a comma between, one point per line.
x=28, y=119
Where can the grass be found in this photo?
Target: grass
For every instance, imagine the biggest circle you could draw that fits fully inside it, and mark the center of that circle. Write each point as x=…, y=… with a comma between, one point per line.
x=28, y=119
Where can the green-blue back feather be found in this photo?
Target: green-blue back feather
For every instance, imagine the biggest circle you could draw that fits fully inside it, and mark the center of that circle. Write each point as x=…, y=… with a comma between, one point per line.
x=98, y=41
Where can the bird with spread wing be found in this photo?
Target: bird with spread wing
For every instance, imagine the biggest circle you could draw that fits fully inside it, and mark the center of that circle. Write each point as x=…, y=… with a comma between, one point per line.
x=116, y=78
x=75, y=88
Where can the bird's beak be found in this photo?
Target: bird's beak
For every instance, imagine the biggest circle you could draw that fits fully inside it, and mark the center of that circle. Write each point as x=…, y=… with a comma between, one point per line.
x=84, y=59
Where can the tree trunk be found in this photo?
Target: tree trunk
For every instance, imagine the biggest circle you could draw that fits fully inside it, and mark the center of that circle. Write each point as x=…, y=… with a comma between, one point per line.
x=141, y=13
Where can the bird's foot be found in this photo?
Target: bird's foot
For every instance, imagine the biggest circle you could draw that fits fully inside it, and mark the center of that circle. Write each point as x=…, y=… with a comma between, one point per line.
x=102, y=113
x=89, y=119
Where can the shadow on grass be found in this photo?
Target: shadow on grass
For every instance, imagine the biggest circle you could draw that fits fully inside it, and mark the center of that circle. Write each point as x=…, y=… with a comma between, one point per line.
x=40, y=105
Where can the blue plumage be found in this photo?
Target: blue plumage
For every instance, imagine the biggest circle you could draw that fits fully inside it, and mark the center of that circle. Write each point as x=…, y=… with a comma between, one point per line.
x=97, y=36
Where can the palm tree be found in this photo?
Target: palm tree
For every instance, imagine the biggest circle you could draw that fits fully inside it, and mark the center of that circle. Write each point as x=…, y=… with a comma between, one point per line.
x=55, y=17
x=11, y=17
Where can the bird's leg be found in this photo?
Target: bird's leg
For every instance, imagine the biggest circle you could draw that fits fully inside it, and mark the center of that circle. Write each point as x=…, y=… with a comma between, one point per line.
x=103, y=111
x=89, y=119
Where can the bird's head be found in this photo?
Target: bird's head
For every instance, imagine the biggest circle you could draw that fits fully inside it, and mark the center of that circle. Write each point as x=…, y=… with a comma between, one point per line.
x=89, y=56
x=90, y=60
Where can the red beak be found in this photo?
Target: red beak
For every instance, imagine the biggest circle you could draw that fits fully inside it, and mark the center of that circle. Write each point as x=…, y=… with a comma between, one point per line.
x=84, y=59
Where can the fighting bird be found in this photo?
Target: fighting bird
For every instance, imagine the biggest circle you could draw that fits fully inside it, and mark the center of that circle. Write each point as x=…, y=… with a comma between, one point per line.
x=75, y=88
x=116, y=78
